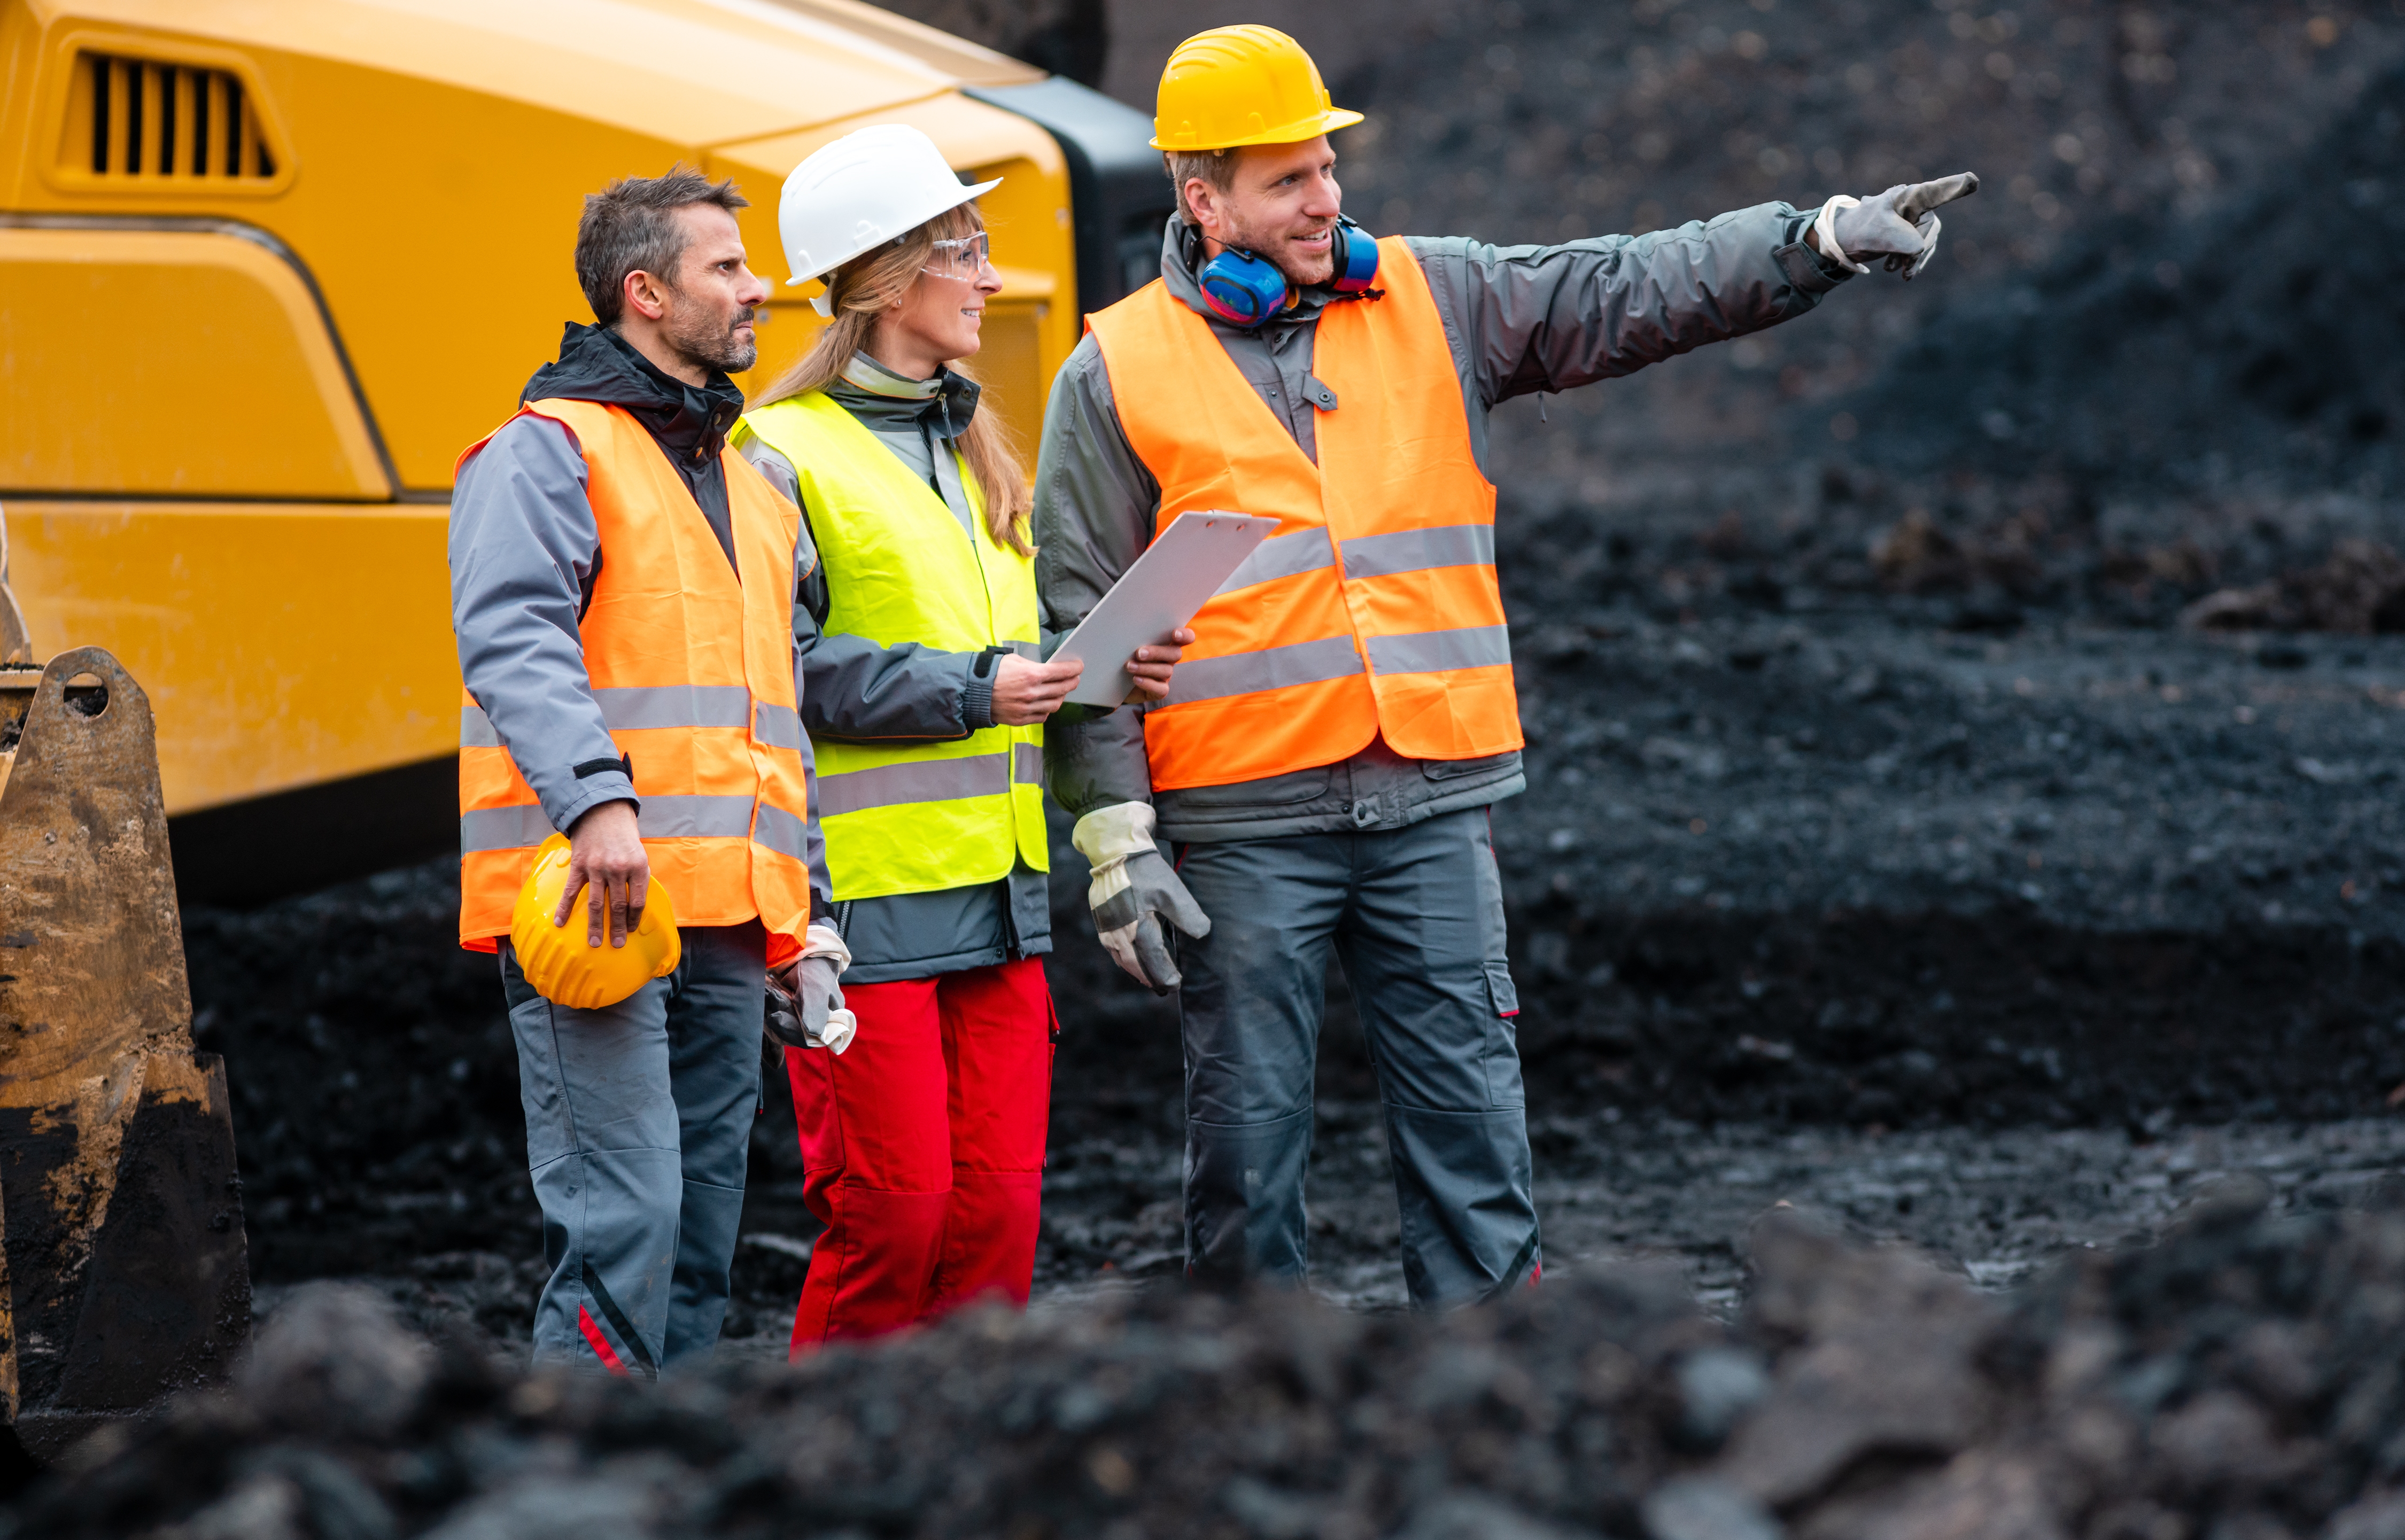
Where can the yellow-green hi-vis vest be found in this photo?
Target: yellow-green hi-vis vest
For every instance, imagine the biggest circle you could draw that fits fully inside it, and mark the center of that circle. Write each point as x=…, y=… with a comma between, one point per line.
x=914, y=816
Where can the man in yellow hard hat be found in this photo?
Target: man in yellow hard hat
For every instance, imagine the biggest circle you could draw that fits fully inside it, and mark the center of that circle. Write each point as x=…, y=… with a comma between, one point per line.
x=1324, y=760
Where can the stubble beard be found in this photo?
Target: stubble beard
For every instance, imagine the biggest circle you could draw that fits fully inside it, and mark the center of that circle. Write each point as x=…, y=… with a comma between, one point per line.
x=716, y=348
x=1278, y=255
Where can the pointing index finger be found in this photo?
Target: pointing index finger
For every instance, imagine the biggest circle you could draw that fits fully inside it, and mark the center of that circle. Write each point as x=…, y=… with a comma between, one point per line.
x=1921, y=197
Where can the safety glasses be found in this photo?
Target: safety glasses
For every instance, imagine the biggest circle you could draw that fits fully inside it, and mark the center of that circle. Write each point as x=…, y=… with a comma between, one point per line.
x=964, y=259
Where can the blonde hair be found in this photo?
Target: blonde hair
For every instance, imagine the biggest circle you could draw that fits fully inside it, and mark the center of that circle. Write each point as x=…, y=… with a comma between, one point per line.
x=861, y=292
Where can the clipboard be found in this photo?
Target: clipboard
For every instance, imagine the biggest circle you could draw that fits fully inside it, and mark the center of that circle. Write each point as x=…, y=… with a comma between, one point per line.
x=1176, y=575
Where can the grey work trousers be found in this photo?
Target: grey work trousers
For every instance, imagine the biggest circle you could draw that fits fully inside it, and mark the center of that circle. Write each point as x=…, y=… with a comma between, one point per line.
x=638, y=1127
x=1416, y=916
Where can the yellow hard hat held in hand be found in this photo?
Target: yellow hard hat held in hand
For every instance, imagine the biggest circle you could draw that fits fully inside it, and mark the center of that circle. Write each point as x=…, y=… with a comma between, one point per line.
x=558, y=961
x=1244, y=85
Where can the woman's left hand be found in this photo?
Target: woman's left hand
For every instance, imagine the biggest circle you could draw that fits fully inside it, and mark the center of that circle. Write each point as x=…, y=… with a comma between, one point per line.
x=1026, y=693
x=1150, y=667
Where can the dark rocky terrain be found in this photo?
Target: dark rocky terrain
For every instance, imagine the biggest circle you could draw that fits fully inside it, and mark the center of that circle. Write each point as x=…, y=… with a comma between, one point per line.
x=2236, y=1379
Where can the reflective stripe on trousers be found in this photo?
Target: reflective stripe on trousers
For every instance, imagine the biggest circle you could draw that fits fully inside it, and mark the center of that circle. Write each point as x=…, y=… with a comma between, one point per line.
x=524, y=825
x=1334, y=658
x=931, y=781
x=636, y=709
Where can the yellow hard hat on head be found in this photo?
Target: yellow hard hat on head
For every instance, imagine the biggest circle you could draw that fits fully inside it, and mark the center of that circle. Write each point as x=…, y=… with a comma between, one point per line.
x=1246, y=85
x=557, y=958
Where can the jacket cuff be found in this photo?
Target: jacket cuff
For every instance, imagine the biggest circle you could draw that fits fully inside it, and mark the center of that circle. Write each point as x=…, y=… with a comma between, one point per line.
x=976, y=694
x=590, y=793
x=1808, y=269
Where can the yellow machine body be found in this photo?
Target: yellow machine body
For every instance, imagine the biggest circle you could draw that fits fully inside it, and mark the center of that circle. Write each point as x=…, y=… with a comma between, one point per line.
x=267, y=266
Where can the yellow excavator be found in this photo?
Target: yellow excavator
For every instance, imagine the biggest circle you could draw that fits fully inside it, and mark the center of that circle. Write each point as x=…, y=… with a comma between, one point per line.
x=266, y=267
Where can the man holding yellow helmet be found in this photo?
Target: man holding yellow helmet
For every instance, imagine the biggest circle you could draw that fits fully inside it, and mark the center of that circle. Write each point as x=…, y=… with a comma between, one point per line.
x=623, y=585
x=1324, y=760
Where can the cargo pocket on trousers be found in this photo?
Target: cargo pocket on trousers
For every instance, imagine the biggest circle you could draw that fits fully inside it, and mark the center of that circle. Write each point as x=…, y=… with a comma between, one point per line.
x=1503, y=1084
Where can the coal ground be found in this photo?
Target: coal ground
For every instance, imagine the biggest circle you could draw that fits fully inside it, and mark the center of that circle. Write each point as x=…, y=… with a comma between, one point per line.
x=1962, y=731
x=2236, y=1380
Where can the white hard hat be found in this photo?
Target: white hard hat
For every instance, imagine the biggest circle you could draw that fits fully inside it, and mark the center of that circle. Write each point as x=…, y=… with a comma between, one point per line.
x=862, y=190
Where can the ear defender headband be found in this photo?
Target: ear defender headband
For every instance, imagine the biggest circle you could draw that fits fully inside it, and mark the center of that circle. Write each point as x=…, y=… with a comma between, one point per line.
x=1242, y=289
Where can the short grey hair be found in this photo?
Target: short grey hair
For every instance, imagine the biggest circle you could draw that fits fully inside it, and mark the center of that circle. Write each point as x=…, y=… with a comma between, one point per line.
x=630, y=226
x=1216, y=167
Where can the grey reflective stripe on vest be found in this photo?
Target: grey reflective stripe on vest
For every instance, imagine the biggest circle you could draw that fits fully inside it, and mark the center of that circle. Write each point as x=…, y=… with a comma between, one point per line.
x=476, y=729
x=1271, y=668
x=1032, y=652
x=1434, y=652
x=524, y=826
x=675, y=706
x=519, y=828
x=778, y=726
x=694, y=817
x=781, y=832
x=1027, y=764
x=1304, y=551
x=915, y=780
x=1418, y=550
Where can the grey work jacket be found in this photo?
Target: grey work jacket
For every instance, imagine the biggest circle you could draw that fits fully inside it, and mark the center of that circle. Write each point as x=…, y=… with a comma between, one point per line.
x=858, y=688
x=1520, y=319
x=523, y=548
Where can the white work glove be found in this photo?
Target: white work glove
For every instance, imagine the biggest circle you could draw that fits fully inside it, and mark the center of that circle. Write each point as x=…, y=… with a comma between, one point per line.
x=1133, y=890
x=805, y=1006
x=1897, y=224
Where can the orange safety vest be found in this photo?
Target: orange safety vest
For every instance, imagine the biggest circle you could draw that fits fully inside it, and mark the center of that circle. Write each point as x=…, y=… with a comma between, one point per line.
x=694, y=671
x=1373, y=609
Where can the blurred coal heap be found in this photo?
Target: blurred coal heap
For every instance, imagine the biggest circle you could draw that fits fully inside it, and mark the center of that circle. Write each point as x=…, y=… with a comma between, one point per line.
x=2239, y=1379
x=2159, y=351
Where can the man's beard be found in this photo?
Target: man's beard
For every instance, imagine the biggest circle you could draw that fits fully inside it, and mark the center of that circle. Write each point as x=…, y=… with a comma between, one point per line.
x=697, y=343
x=1282, y=256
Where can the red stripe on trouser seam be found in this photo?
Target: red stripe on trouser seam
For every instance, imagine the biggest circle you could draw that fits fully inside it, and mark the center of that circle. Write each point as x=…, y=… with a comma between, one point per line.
x=602, y=1347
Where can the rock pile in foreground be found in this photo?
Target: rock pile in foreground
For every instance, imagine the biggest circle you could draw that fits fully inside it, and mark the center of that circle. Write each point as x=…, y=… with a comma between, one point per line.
x=2244, y=1379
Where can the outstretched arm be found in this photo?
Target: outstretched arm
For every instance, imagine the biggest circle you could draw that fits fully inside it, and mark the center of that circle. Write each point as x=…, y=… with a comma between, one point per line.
x=1531, y=318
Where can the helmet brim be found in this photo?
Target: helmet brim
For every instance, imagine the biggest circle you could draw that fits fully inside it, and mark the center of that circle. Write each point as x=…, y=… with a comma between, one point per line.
x=968, y=194
x=1295, y=132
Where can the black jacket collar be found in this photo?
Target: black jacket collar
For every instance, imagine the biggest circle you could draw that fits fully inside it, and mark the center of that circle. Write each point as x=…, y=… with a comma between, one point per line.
x=596, y=364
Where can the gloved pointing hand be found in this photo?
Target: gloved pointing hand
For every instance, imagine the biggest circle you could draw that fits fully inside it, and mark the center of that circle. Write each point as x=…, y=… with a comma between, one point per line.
x=1133, y=890
x=1898, y=224
x=805, y=1006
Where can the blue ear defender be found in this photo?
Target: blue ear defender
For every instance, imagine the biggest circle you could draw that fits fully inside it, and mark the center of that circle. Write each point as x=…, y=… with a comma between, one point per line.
x=1245, y=290
x=1357, y=257
x=1242, y=290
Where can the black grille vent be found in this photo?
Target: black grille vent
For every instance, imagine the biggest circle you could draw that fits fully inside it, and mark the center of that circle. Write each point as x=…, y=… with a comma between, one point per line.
x=150, y=119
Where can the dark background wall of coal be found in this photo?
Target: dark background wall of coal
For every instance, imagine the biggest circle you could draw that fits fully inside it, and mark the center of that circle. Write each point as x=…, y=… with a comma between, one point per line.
x=1874, y=778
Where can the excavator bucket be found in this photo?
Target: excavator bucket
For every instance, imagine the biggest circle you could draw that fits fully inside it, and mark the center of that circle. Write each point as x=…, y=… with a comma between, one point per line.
x=126, y=1273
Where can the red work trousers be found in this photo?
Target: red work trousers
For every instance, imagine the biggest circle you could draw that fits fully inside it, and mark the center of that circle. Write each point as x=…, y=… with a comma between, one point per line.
x=922, y=1149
